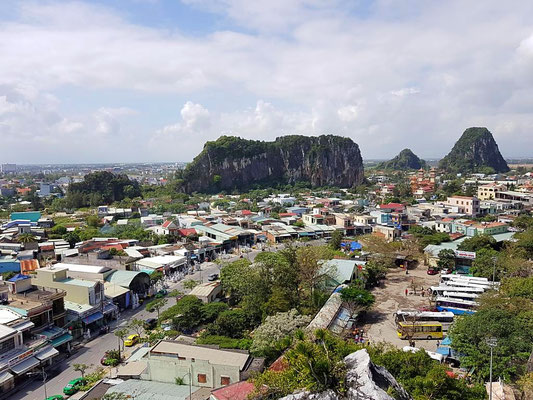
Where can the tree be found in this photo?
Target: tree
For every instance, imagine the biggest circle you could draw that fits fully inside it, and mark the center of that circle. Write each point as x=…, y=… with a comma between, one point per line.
x=156, y=277
x=446, y=259
x=190, y=284
x=26, y=238
x=187, y=314
x=483, y=265
x=235, y=279
x=476, y=243
x=72, y=238
x=81, y=368
x=336, y=239
x=58, y=230
x=231, y=323
x=136, y=325
x=510, y=322
x=121, y=335
x=357, y=299
x=375, y=270
x=156, y=305
x=267, y=336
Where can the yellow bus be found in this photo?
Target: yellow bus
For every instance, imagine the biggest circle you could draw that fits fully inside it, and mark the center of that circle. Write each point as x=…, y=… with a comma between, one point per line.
x=420, y=330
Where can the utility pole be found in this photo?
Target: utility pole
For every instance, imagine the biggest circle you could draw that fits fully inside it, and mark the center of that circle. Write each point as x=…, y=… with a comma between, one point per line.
x=44, y=383
x=493, y=271
x=491, y=342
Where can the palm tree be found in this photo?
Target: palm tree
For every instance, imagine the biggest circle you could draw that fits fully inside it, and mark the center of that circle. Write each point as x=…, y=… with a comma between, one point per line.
x=26, y=238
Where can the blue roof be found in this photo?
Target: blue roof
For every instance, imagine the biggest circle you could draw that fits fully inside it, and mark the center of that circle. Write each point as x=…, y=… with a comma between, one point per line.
x=18, y=277
x=32, y=216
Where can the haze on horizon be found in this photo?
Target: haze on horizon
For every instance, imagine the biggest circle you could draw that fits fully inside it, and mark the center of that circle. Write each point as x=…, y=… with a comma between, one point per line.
x=152, y=80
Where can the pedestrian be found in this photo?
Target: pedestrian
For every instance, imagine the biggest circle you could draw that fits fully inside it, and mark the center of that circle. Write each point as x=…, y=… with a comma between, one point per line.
x=438, y=343
x=406, y=291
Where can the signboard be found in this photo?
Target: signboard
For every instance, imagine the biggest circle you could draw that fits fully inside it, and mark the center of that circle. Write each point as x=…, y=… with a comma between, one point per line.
x=471, y=255
x=20, y=358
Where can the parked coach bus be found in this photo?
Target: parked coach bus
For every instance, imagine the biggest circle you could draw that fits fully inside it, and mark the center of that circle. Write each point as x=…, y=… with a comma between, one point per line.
x=456, y=306
x=444, y=317
x=420, y=330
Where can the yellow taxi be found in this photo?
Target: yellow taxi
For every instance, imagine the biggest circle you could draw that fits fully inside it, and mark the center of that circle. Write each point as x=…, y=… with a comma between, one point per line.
x=131, y=340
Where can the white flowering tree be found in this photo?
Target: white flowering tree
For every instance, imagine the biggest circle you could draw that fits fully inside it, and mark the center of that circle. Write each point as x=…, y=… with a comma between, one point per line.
x=276, y=328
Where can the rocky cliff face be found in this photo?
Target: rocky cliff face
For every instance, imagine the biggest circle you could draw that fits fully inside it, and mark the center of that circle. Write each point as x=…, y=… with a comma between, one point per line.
x=475, y=151
x=405, y=160
x=234, y=163
x=364, y=381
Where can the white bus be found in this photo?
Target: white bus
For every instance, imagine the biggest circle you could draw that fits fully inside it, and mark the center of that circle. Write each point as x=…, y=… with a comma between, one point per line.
x=456, y=306
x=461, y=295
x=448, y=277
x=484, y=286
x=445, y=318
x=439, y=290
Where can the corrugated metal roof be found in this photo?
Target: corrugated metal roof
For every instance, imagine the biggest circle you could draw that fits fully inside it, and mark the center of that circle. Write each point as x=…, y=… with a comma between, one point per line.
x=148, y=390
x=214, y=356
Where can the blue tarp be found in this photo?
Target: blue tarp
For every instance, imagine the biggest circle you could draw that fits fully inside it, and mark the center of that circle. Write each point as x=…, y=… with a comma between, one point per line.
x=93, y=317
x=18, y=277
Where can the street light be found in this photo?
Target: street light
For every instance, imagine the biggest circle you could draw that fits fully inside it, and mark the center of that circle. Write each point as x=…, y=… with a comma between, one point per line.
x=492, y=343
x=44, y=375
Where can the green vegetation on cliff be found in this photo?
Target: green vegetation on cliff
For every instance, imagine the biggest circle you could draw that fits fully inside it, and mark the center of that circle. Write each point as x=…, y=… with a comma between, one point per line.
x=405, y=160
x=475, y=151
x=232, y=163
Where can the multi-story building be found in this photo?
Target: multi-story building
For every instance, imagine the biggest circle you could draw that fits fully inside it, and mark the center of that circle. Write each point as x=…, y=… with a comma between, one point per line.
x=488, y=192
x=208, y=367
x=464, y=205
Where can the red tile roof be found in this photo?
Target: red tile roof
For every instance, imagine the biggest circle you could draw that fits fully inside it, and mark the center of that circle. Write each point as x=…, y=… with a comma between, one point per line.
x=186, y=231
x=27, y=266
x=235, y=391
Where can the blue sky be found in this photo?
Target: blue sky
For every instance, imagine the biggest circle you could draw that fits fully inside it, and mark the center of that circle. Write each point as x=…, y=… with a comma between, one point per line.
x=152, y=80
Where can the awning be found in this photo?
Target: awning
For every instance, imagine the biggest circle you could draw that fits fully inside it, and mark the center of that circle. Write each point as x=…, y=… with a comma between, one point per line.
x=5, y=376
x=58, y=341
x=24, y=366
x=110, y=308
x=93, y=317
x=46, y=353
x=23, y=326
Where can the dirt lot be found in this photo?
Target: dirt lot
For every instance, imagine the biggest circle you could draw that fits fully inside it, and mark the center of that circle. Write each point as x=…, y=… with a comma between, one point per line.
x=379, y=324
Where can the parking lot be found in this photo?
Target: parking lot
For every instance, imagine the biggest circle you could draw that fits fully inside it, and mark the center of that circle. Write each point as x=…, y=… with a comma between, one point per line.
x=379, y=324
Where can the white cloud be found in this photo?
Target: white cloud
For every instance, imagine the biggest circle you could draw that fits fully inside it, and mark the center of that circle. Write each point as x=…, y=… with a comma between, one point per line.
x=389, y=75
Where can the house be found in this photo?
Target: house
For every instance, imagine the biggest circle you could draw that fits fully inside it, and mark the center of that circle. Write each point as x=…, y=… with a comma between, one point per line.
x=387, y=232
x=199, y=365
x=235, y=391
x=207, y=292
x=169, y=227
x=464, y=205
x=313, y=219
x=337, y=271
x=488, y=192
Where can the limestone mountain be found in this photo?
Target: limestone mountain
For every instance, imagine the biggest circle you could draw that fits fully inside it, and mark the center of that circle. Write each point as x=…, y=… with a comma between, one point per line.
x=475, y=151
x=405, y=160
x=234, y=163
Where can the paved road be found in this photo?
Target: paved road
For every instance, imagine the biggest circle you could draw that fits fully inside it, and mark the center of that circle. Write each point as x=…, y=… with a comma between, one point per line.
x=93, y=351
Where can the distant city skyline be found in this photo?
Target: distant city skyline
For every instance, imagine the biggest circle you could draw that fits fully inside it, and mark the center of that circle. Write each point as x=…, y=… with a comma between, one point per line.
x=153, y=80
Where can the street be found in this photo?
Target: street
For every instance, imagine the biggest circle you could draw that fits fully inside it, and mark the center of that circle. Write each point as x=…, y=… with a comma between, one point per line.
x=92, y=352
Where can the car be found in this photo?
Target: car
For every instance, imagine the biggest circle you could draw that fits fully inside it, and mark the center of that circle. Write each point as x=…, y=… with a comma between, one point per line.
x=432, y=271
x=162, y=293
x=150, y=323
x=74, y=385
x=212, y=277
x=55, y=397
x=131, y=340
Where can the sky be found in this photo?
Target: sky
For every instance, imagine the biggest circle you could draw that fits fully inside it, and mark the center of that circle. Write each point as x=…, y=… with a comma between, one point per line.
x=153, y=80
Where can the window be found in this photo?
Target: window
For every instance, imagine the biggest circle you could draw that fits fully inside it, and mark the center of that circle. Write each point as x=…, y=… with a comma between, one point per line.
x=202, y=378
x=224, y=380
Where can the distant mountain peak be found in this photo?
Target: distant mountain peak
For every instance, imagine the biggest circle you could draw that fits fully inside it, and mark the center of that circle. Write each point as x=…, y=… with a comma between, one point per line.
x=475, y=151
x=405, y=160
